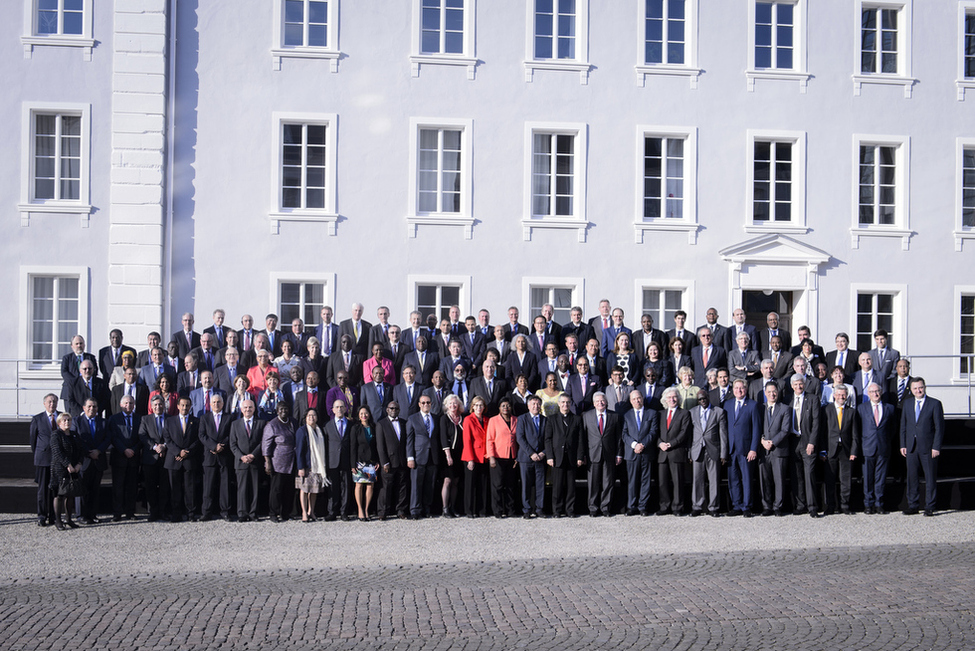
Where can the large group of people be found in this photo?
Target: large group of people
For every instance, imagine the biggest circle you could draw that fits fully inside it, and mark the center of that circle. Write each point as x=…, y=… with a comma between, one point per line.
x=386, y=422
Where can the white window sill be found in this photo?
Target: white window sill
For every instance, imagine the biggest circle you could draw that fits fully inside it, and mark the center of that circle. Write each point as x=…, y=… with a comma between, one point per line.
x=961, y=236
x=561, y=65
x=559, y=223
x=305, y=53
x=35, y=371
x=85, y=44
x=666, y=225
x=963, y=85
x=786, y=228
x=776, y=75
x=666, y=70
x=416, y=60
x=83, y=211
x=885, y=80
x=440, y=219
x=331, y=219
x=883, y=231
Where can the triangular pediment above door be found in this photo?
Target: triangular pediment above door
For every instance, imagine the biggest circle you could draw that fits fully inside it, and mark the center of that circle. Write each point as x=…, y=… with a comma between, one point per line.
x=774, y=248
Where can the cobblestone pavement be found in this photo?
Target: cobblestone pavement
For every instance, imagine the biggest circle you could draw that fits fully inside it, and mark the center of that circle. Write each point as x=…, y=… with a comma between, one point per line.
x=914, y=589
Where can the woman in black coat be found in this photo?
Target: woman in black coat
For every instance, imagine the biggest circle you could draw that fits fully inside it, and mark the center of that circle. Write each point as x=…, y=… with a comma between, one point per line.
x=67, y=454
x=364, y=454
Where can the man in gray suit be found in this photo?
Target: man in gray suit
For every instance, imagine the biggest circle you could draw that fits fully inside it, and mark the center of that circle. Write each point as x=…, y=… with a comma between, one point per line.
x=337, y=431
x=884, y=358
x=639, y=446
x=602, y=430
x=773, y=460
x=246, y=435
x=422, y=450
x=743, y=362
x=709, y=451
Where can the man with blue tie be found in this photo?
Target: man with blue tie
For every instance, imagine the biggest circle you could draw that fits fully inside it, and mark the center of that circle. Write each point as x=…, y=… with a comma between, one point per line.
x=530, y=435
x=884, y=357
x=123, y=430
x=157, y=366
x=709, y=451
x=640, y=431
x=875, y=421
x=218, y=329
x=922, y=432
x=225, y=375
x=377, y=394
x=407, y=393
x=422, y=452
x=744, y=432
x=95, y=440
x=338, y=454
x=327, y=332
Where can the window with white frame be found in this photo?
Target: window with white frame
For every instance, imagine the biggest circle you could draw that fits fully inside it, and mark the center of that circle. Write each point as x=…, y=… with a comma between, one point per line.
x=883, y=52
x=776, y=179
x=440, y=172
x=55, y=311
x=560, y=297
x=435, y=298
x=966, y=330
x=304, y=161
x=301, y=300
x=557, y=171
x=875, y=310
x=968, y=42
x=59, y=17
x=665, y=32
x=663, y=177
x=968, y=187
x=306, y=29
x=878, y=185
x=775, y=35
x=442, y=27
x=555, y=29
x=662, y=304
x=56, y=159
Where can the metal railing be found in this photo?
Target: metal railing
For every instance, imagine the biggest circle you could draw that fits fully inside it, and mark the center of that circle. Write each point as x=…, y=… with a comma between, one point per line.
x=960, y=378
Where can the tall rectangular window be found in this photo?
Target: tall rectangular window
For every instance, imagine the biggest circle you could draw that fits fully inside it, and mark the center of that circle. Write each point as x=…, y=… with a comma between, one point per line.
x=57, y=157
x=442, y=27
x=559, y=297
x=60, y=17
x=663, y=177
x=968, y=188
x=303, y=158
x=306, y=23
x=967, y=332
x=555, y=29
x=664, y=32
x=439, y=170
x=879, y=40
x=772, y=193
x=436, y=299
x=969, y=46
x=874, y=311
x=300, y=301
x=878, y=184
x=774, y=35
x=662, y=304
x=553, y=174
x=54, y=316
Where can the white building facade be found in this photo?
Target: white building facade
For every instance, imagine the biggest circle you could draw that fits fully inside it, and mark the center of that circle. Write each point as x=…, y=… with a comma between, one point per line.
x=817, y=158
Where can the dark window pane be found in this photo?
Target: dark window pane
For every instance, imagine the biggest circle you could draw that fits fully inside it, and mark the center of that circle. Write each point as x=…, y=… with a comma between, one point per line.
x=316, y=199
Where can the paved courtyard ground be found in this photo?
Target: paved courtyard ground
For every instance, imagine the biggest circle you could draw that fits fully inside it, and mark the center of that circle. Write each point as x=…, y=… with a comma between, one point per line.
x=861, y=582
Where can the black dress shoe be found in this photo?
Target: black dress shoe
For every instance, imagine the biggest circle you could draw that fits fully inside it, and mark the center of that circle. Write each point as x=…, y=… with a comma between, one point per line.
x=868, y=510
x=747, y=514
x=117, y=518
x=88, y=521
x=695, y=514
x=815, y=514
x=663, y=511
x=59, y=525
x=798, y=512
x=630, y=512
x=244, y=518
x=71, y=524
x=733, y=513
x=910, y=511
x=560, y=515
x=847, y=511
x=399, y=516
x=714, y=514
x=680, y=514
x=594, y=514
x=779, y=514
x=41, y=522
x=882, y=512
x=767, y=512
x=646, y=513
x=928, y=512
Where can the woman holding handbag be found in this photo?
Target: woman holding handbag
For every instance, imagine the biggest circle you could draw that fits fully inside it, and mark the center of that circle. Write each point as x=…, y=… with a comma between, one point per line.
x=67, y=455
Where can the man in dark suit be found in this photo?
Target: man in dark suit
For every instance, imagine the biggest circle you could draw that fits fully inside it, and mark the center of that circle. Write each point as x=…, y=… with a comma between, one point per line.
x=706, y=356
x=603, y=431
x=652, y=389
x=415, y=331
x=716, y=397
x=423, y=449
x=391, y=443
x=153, y=447
x=512, y=327
x=182, y=437
x=123, y=430
x=682, y=333
x=246, y=435
x=86, y=386
x=884, y=357
x=154, y=339
x=803, y=333
x=274, y=336
x=454, y=355
x=576, y=326
x=489, y=388
x=756, y=388
x=407, y=393
x=613, y=331
x=843, y=447
x=709, y=451
x=157, y=366
x=772, y=329
x=41, y=427
x=744, y=431
x=346, y=360
x=375, y=395
x=676, y=433
x=424, y=361
x=131, y=386
x=206, y=354
x=395, y=349
x=189, y=378
x=899, y=386
x=639, y=451
x=581, y=387
x=530, y=435
x=865, y=376
x=539, y=337
x=95, y=440
x=876, y=419
x=844, y=357
x=247, y=334
x=737, y=327
x=565, y=452
x=358, y=329
x=311, y=396
x=218, y=329
x=186, y=339
x=337, y=432
x=720, y=333
x=379, y=333
x=743, y=362
x=217, y=459
x=775, y=453
x=111, y=356
x=327, y=332
x=226, y=375
x=473, y=343
x=806, y=443
x=642, y=338
x=922, y=432
x=437, y=392
x=598, y=324
x=781, y=360
x=551, y=327
x=70, y=371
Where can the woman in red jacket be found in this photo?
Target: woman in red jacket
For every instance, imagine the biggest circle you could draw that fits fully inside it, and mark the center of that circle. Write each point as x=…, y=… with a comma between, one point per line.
x=475, y=452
